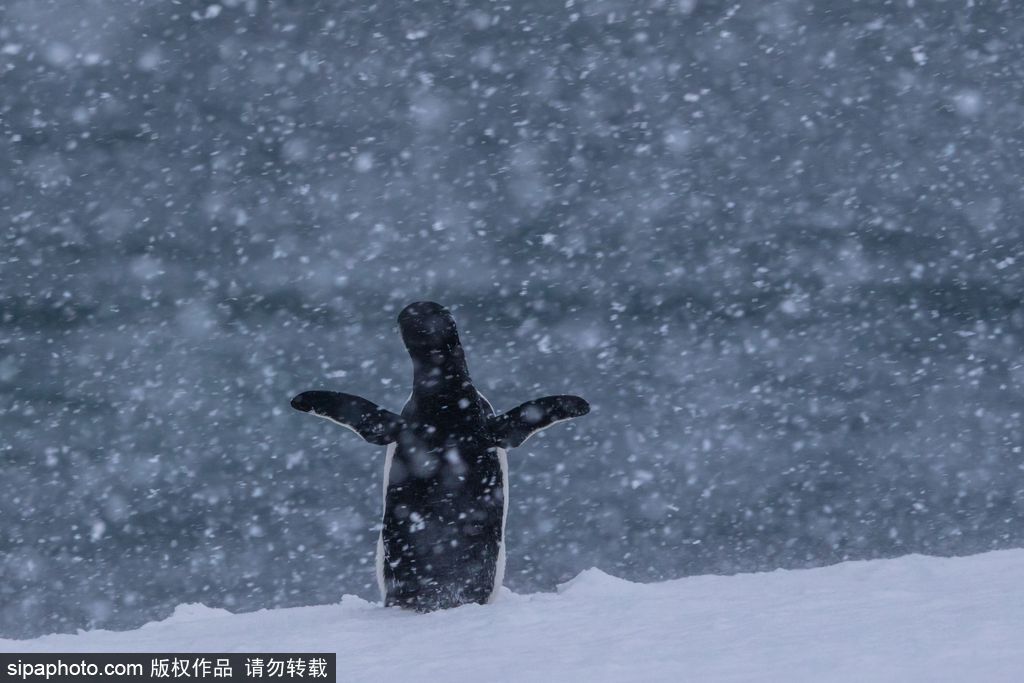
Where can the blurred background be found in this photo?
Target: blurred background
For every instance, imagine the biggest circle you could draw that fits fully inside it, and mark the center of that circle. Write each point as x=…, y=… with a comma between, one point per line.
x=777, y=245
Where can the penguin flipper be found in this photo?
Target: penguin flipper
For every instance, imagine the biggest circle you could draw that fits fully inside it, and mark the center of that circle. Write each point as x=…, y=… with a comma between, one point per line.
x=365, y=418
x=512, y=428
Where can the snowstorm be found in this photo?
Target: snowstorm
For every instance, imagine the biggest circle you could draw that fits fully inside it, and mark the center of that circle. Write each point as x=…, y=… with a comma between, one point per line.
x=777, y=246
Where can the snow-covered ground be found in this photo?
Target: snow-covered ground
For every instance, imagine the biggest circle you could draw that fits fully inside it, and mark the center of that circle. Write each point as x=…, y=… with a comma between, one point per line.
x=910, y=619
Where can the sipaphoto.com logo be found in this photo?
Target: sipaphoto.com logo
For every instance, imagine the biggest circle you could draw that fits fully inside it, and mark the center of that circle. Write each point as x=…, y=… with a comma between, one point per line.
x=159, y=667
x=73, y=669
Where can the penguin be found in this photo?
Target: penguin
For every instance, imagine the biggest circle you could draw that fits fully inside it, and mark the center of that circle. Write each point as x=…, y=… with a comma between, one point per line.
x=445, y=488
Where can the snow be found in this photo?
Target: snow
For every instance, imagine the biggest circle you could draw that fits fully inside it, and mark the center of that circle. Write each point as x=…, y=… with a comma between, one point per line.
x=914, y=618
x=776, y=244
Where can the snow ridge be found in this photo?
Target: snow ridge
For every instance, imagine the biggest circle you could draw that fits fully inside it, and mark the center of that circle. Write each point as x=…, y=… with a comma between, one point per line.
x=913, y=618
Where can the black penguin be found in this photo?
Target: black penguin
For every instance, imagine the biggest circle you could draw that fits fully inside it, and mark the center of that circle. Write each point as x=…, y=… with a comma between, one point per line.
x=442, y=541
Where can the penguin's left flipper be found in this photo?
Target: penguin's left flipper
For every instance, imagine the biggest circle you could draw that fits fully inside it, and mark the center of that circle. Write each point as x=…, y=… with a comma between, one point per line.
x=365, y=418
x=511, y=429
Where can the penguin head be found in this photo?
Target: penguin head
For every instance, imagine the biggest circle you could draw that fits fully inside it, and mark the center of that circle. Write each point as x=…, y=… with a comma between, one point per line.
x=428, y=331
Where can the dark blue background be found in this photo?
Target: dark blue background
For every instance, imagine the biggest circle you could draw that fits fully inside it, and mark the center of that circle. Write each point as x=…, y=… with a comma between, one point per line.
x=777, y=245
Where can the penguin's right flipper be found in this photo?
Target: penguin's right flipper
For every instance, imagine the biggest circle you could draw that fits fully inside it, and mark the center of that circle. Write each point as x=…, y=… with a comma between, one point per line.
x=511, y=429
x=365, y=418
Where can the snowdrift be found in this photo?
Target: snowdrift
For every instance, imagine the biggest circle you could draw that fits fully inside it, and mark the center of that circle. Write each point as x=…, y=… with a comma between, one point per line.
x=910, y=619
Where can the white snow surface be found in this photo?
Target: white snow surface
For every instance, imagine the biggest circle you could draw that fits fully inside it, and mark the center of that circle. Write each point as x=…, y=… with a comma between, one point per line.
x=913, y=618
